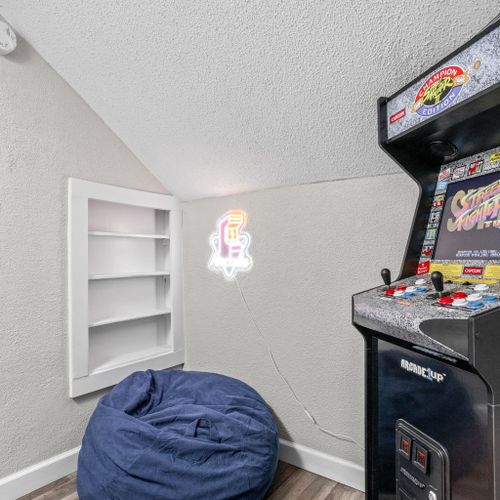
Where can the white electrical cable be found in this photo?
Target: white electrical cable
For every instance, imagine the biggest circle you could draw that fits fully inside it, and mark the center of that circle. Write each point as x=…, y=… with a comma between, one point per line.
x=341, y=437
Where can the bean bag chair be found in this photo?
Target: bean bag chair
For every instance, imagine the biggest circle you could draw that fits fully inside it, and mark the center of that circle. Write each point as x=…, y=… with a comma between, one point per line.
x=176, y=435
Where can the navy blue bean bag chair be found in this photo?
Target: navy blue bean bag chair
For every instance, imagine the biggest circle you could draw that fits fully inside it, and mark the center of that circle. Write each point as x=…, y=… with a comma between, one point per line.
x=177, y=435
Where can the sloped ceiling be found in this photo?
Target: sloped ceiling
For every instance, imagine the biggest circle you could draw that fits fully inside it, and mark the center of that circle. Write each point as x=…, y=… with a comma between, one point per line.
x=222, y=96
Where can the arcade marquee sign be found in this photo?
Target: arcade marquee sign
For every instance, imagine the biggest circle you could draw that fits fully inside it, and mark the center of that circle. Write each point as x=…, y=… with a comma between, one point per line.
x=438, y=92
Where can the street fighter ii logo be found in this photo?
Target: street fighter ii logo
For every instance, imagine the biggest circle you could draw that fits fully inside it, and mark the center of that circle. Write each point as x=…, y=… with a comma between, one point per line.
x=476, y=208
x=440, y=90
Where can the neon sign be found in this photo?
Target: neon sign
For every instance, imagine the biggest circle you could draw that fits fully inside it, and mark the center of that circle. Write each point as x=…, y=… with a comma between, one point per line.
x=230, y=245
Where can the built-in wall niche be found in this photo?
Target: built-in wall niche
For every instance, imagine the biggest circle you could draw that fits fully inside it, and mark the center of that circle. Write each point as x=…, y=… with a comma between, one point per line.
x=124, y=283
x=111, y=345
x=112, y=299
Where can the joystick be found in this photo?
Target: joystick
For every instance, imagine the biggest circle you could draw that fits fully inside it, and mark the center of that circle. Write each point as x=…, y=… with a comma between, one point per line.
x=386, y=276
x=438, y=282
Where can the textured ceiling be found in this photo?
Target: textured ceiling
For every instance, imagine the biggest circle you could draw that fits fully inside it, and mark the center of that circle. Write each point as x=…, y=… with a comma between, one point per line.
x=223, y=96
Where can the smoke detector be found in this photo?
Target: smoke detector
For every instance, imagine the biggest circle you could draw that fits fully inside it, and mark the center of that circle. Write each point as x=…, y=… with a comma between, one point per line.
x=8, y=40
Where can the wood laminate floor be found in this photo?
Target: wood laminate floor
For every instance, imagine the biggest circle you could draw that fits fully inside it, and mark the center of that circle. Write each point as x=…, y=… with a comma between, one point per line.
x=290, y=483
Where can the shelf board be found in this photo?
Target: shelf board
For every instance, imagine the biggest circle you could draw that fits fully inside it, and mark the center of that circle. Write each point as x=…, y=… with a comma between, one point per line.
x=114, y=276
x=134, y=357
x=129, y=235
x=123, y=319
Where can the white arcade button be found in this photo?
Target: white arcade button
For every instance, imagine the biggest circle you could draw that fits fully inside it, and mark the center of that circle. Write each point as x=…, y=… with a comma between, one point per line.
x=474, y=297
x=410, y=289
x=421, y=281
x=399, y=293
x=459, y=302
x=482, y=287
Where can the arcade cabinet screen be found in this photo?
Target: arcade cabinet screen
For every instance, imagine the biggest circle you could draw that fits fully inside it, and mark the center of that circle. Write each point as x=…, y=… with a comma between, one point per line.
x=470, y=222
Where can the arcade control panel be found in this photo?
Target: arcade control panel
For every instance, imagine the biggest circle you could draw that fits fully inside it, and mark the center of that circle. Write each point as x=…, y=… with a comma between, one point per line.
x=429, y=310
x=433, y=290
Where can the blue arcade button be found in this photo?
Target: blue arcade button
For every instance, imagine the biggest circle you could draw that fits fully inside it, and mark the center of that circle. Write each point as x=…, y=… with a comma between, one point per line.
x=490, y=298
x=475, y=305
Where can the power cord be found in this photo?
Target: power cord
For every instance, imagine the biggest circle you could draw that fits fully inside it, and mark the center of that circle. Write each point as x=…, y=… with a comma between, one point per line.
x=312, y=418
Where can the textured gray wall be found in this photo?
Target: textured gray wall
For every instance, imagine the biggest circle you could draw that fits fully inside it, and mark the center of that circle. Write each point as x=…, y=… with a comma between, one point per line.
x=47, y=133
x=313, y=246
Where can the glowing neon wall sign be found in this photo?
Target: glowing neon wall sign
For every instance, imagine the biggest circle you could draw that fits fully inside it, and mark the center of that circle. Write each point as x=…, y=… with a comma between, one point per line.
x=230, y=245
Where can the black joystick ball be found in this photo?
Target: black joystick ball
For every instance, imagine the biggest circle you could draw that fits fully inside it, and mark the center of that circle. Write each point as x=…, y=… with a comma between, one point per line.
x=386, y=276
x=438, y=281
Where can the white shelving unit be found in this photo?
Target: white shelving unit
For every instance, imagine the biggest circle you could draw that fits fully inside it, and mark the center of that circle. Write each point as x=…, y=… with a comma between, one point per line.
x=125, y=311
x=125, y=275
x=128, y=235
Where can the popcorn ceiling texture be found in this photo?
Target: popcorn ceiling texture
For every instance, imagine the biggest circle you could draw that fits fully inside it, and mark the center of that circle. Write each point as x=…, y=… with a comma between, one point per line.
x=223, y=96
x=47, y=134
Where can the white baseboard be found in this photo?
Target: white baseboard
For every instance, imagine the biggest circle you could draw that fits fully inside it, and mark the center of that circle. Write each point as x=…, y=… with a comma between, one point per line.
x=337, y=469
x=30, y=479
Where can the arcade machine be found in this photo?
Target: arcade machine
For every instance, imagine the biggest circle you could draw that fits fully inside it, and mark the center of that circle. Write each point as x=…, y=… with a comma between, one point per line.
x=433, y=335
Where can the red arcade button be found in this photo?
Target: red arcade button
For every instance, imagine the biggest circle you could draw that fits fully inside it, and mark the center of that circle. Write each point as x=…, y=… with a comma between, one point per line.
x=459, y=295
x=401, y=288
x=389, y=291
x=445, y=301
